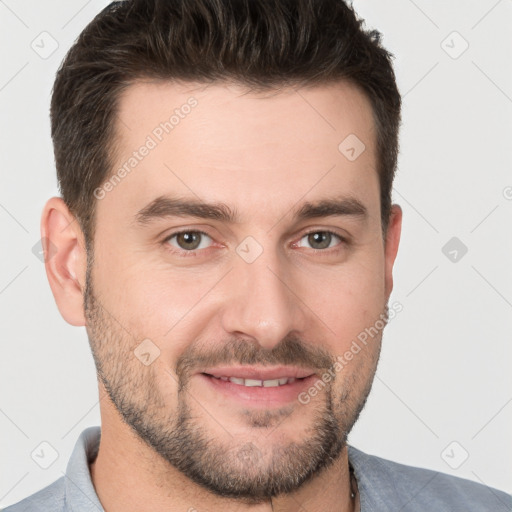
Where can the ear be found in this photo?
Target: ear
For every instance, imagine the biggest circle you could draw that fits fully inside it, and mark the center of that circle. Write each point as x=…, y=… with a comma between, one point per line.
x=65, y=259
x=391, y=248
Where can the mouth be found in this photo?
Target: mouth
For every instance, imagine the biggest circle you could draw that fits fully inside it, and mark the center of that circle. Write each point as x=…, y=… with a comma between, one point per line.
x=258, y=386
x=269, y=383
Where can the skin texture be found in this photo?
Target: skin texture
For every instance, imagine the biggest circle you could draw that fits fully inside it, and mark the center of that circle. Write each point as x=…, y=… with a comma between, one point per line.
x=170, y=441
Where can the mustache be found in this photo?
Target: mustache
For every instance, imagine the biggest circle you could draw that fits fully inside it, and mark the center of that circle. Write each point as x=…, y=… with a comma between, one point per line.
x=292, y=351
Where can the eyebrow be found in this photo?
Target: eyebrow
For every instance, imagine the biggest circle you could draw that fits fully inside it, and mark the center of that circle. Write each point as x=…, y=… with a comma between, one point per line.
x=165, y=206
x=345, y=206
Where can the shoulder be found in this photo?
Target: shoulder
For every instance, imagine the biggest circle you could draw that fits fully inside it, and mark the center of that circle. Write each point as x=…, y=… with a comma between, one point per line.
x=74, y=490
x=385, y=485
x=50, y=498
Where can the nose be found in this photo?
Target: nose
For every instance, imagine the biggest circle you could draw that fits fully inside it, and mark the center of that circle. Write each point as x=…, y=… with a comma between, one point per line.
x=263, y=302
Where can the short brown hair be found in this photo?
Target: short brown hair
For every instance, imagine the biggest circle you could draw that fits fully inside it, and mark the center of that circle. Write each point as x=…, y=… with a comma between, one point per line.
x=263, y=44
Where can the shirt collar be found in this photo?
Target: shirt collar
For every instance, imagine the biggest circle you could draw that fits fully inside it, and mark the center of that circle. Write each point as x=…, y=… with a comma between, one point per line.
x=377, y=489
x=80, y=493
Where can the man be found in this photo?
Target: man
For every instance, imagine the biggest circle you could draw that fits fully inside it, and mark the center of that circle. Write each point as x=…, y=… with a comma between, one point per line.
x=225, y=233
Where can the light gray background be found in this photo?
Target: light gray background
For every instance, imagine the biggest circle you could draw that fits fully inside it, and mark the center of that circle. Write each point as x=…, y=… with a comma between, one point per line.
x=444, y=375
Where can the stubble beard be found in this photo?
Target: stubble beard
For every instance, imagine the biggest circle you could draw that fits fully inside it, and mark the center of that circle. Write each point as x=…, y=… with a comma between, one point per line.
x=251, y=472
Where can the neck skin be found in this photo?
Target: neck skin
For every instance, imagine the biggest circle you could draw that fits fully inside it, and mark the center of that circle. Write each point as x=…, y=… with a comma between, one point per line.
x=129, y=476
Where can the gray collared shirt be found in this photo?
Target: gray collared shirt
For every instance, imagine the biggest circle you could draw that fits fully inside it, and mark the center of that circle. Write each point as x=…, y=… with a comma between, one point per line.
x=384, y=486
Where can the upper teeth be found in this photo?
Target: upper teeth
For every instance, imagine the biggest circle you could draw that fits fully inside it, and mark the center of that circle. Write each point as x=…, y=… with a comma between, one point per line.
x=264, y=383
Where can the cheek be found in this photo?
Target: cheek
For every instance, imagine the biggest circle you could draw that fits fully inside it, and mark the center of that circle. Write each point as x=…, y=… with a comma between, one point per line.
x=155, y=302
x=348, y=300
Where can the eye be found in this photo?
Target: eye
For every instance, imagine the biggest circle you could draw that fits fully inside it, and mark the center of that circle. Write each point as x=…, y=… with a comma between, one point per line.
x=320, y=240
x=189, y=240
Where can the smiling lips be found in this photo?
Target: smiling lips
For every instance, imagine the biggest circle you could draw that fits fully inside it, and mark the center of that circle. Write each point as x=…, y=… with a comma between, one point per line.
x=259, y=377
x=270, y=383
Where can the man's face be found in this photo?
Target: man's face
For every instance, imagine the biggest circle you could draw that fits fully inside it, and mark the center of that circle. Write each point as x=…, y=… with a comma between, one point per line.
x=273, y=289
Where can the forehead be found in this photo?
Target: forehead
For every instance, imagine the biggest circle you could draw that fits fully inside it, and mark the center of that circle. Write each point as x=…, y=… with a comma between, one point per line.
x=221, y=143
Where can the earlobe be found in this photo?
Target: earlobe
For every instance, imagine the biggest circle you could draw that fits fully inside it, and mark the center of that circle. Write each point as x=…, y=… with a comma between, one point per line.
x=65, y=259
x=392, y=243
